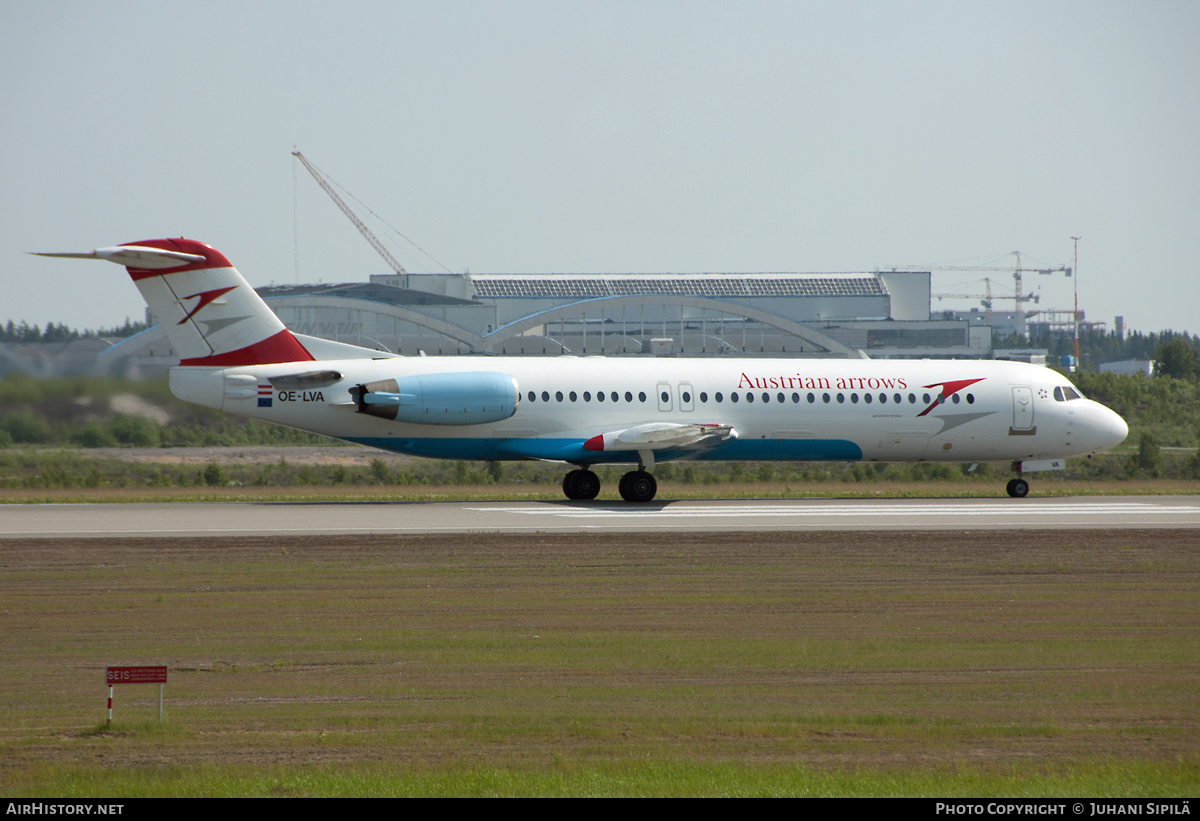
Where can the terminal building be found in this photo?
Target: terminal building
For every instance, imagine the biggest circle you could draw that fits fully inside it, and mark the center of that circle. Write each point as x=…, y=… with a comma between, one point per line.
x=881, y=314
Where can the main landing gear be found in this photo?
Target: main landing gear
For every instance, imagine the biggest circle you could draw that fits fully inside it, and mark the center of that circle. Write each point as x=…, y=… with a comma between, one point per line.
x=636, y=485
x=581, y=485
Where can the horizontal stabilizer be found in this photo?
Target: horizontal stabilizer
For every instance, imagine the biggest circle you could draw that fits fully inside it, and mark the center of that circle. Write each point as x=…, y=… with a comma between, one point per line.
x=663, y=436
x=134, y=256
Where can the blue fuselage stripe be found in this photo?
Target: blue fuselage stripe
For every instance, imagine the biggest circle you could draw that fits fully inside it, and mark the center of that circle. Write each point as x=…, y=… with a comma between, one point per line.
x=572, y=450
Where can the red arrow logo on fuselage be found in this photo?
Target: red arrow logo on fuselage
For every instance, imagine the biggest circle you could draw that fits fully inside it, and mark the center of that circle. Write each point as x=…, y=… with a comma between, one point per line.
x=205, y=298
x=948, y=390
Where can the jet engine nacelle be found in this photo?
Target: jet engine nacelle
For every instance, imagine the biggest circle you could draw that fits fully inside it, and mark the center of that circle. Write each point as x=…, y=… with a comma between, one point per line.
x=472, y=398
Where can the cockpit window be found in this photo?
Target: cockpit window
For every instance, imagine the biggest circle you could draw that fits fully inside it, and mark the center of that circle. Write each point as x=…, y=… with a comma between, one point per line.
x=1058, y=394
x=1066, y=394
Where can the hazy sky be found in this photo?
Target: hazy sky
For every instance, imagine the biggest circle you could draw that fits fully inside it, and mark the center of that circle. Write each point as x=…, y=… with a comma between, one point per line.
x=569, y=136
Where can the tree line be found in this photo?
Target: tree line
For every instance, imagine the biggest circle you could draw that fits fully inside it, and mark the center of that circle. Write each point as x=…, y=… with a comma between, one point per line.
x=1174, y=354
x=24, y=332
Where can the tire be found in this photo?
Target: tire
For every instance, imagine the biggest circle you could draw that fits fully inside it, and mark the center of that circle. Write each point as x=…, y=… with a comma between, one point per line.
x=587, y=485
x=638, y=486
x=581, y=485
x=1018, y=488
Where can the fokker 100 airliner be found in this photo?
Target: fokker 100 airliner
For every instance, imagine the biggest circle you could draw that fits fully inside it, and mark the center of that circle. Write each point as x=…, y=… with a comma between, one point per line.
x=237, y=356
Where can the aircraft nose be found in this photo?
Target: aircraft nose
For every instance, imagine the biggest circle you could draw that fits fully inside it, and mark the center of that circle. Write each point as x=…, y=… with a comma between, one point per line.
x=1108, y=428
x=1104, y=428
x=1120, y=430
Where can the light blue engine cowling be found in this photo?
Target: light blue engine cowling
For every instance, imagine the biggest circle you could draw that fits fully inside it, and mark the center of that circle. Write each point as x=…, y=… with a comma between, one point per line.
x=472, y=398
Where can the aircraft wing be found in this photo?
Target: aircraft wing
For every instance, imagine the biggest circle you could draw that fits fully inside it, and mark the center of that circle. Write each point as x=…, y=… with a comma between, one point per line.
x=663, y=436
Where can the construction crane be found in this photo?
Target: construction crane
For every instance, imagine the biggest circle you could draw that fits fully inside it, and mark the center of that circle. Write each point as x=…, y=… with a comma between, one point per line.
x=359, y=224
x=985, y=299
x=1018, y=272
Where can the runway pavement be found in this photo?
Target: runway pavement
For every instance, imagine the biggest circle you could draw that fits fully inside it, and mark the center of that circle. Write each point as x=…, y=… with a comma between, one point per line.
x=286, y=519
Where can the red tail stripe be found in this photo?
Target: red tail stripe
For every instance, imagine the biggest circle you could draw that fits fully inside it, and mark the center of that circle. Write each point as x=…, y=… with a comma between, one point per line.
x=281, y=347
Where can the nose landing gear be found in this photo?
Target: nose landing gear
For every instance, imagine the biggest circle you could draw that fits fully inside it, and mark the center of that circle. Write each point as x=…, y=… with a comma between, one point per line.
x=1017, y=488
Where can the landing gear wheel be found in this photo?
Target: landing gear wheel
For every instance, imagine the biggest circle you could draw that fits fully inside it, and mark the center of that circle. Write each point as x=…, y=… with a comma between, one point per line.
x=638, y=486
x=581, y=485
x=1017, y=488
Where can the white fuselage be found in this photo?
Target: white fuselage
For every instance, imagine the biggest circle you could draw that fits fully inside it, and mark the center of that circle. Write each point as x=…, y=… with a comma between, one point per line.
x=778, y=409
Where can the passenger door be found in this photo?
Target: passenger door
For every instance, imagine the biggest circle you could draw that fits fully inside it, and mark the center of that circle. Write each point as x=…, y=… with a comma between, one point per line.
x=1022, y=424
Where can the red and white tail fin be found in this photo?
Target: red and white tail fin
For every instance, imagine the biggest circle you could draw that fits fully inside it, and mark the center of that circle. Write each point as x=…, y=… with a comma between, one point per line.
x=211, y=315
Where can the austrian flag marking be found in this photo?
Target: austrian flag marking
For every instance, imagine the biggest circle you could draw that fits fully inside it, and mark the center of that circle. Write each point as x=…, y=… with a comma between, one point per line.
x=264, y=396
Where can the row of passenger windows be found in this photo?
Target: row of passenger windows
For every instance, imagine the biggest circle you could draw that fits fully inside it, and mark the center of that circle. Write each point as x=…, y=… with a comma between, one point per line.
x=587, y=396
x=765, y=397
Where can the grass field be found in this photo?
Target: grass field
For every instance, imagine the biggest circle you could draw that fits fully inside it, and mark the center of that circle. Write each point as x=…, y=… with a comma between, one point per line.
x=30, y=474
x=67, y=476
x=943, y=664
